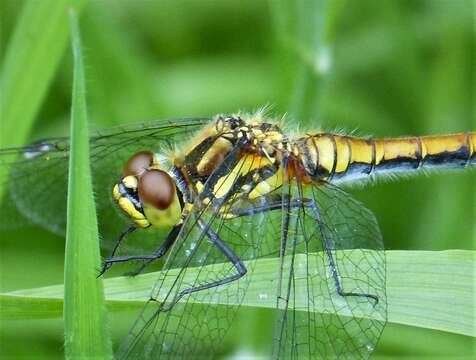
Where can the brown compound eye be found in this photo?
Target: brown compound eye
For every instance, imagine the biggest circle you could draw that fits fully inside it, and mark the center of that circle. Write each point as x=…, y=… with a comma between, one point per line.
x=138, y=163
x=157, y=189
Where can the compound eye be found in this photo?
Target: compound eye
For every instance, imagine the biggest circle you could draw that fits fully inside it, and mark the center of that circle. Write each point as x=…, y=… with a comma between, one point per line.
x=157, y=189
x=138, y=163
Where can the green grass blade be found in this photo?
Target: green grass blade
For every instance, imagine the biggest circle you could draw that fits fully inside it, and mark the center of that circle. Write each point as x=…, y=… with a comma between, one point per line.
x=426, y=289
x=305, y=32
x=31, y=58
x=84, y=311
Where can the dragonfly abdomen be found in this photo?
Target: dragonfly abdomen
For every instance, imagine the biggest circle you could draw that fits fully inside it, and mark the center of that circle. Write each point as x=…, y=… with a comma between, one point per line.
x=339, y=158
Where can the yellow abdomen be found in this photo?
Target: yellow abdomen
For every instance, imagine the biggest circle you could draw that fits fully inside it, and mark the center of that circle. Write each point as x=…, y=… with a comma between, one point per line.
x=339, y=158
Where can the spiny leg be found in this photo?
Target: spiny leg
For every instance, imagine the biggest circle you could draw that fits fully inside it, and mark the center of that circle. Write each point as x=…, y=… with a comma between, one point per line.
x=333, y=268
x=276, y=204
x=127, y=231
x=169, y=240
x=230, y=255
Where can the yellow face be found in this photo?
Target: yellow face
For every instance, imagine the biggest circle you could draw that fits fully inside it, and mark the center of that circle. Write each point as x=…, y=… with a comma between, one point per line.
x=147, y=194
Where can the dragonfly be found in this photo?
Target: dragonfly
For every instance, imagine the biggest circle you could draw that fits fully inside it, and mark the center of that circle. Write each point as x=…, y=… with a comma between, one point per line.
x=217, y=198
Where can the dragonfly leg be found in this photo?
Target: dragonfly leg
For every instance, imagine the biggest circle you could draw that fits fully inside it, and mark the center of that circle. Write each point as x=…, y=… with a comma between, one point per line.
x=230, y=255
x=128, y=230
x=148, y=257
x=276, y=204
x=332, y=265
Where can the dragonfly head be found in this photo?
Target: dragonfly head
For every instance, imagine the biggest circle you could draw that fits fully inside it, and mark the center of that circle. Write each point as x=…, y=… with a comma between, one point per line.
x=147, y=194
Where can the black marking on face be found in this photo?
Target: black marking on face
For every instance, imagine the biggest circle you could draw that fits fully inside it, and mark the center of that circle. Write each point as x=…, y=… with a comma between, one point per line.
x=132, y=196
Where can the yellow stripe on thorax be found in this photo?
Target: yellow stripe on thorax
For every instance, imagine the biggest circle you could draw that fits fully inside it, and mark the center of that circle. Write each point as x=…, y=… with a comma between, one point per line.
x=266, y=186
x=246, y=164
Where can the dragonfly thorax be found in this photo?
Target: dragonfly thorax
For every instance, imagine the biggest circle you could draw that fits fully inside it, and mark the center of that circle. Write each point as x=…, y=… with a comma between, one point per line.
x=147, y=194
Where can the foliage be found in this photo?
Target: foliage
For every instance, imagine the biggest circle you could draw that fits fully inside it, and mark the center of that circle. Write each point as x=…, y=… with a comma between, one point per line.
x=86, y=334
x=387, y=68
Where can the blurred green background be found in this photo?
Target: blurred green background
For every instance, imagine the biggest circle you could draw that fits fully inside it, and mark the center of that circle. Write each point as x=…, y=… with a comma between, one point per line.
x=385, y=68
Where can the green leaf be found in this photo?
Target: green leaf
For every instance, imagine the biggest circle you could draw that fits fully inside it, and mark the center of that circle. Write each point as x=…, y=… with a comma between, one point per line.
x=32, y=56
x=84, y=311
x=30, y=61
x=426, y=289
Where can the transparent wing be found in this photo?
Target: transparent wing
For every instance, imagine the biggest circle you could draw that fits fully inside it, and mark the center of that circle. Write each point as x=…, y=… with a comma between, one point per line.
x=196, y=325
x=34, y=177
x=331, y=290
